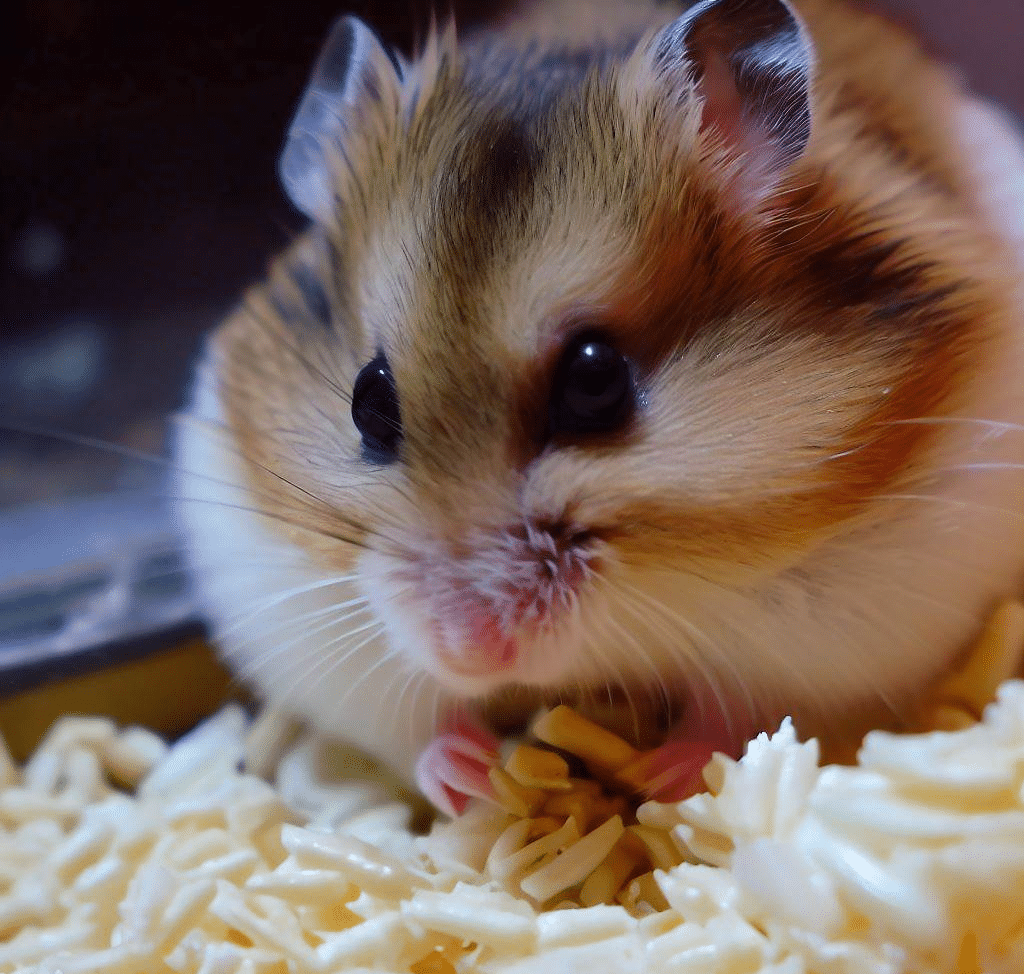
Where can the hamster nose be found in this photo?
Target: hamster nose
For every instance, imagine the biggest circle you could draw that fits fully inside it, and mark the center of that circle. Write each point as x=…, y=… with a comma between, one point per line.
x=545, y=536
x=558, y=548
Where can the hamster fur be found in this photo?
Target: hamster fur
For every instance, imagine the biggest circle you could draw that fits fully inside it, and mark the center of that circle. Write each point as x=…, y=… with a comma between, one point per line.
x=818, y=496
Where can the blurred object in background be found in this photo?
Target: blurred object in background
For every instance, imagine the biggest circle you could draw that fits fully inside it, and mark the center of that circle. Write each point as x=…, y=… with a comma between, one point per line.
x=981, y=37
x=140, y=198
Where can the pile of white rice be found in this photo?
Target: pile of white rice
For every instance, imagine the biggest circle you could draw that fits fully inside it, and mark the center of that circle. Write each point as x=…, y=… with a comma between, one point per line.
x=120, y=854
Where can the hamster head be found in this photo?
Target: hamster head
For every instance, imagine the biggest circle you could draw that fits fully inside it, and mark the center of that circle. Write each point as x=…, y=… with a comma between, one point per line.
x=585, y=344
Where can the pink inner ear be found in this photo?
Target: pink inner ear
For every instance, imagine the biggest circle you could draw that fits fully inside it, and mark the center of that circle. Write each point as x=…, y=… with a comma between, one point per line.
x=760, y=158
x=723, y=106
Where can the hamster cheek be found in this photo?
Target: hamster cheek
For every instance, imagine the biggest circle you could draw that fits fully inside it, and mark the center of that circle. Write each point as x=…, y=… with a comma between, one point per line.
x=407, y=628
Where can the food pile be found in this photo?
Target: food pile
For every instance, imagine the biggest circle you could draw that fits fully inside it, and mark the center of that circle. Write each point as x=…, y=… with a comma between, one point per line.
x=119, y=853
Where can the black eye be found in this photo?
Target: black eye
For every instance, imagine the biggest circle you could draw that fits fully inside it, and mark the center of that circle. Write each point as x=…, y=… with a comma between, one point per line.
x=375, y=411
x=593, y=389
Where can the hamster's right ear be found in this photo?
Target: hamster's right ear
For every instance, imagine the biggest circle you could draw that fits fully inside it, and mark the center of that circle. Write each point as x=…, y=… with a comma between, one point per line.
x=354, y=77
x=750, y=63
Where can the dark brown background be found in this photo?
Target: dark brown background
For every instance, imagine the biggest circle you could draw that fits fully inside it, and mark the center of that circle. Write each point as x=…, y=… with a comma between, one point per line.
x=142, y=137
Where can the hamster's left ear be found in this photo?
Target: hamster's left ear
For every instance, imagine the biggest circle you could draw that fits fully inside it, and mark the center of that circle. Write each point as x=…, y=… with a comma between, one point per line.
x=751, y=62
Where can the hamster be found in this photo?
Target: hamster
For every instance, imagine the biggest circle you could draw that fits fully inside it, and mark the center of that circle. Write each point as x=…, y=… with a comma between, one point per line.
x=663, y=360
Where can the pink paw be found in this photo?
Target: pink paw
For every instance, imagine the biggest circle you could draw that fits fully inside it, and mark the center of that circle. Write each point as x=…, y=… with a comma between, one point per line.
x=454, y=766
x=673, y=771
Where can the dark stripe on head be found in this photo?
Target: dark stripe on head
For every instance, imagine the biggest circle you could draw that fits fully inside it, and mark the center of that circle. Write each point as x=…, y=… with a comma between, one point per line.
x=298, y=299
x=485, y=195
x=848, y=281
x=502, y=164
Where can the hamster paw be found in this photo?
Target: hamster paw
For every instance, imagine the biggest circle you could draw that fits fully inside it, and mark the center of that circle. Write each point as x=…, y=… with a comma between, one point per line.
x=453, y=768
x=672, y=772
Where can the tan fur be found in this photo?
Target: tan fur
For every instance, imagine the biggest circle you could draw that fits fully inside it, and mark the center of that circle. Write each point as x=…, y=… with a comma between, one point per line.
x=782, y=351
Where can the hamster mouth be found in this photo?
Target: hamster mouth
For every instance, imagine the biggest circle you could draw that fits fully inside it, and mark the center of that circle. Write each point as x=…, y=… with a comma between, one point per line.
x=488, y=605
x=486, y=651
x=495, y=643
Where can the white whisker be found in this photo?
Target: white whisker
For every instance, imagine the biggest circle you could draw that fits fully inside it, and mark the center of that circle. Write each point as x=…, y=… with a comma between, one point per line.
x=436, y=706
x=715, y=653
x=415, y=681
x=994, y=426
x=951, y=502
x=283, y=597
x=385, y=657
x=257, y=663
x=992, y=465
x=323, y=656
x=653, y=673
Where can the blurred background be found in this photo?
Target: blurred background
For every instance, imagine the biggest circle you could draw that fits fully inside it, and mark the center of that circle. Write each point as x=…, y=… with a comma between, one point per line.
x=138, y=197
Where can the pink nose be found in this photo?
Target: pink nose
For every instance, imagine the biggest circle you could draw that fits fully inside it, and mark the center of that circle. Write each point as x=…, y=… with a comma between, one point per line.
x=480, y=650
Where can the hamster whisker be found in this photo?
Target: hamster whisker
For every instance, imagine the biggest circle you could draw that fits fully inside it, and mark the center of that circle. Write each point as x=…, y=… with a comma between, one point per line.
x=435, y=707
x=88, y=442
x=281, y=597
x=388, y=656
x=865, y=674
x=675, y=619
x=207, y=425
x=952, y=502
x=942, y=606
x=271, y=324
x=413, y=679
x=249, y=669
x=583, y=692
x=996, y=427
x=955, y=563
x=689, y=664
x=572, y=695
x=283, y=519
x=623, y=684
x=287, y=625
x=245, y=565
x=675, y=646
x=257, y=663
x=376, y=625
x=853, y=662
x=981, y=466
x=213, y=426
x=651, y=673
x=321, y=612
x=319, y=505
x=152, y=459
x=327, y=660
x=813, y=221
x=113, y=449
